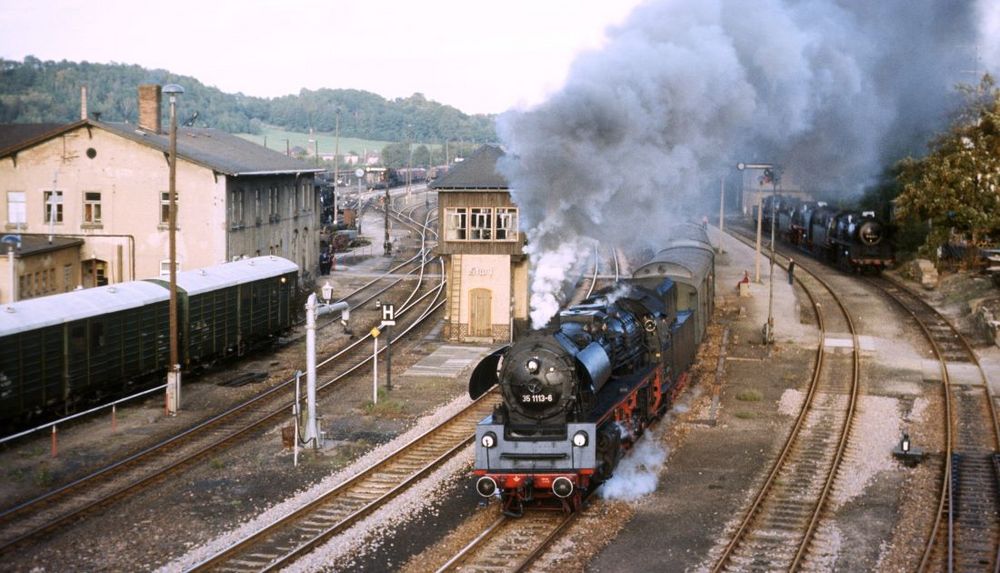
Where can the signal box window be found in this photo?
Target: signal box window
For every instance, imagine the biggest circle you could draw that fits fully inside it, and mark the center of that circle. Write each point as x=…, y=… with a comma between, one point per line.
x=506, y=224
x=480, y=224
x=456, y=224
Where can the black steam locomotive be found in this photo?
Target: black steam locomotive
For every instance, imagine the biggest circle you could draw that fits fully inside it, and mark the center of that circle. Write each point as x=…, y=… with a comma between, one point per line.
x=854, y=240
x=576, y=397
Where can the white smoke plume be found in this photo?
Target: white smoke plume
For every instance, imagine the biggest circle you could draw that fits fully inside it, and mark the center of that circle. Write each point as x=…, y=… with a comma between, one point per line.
x=638, y=473
x=642, y=130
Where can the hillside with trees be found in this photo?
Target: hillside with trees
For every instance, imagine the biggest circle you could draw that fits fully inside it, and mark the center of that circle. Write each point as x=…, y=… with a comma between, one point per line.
x=35, y=91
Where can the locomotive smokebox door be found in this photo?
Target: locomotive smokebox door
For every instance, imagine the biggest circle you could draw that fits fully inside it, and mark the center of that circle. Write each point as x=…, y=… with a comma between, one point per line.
x=485, y=375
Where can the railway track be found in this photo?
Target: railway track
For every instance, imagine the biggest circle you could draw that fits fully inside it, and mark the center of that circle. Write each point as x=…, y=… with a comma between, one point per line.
x=510, y=544
x=778, y=528
x=965, y=532
x=29, y=520
x=279, y=544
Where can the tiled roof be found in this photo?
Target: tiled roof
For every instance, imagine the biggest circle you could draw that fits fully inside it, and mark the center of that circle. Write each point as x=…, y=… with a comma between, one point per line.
x=211, y=148
x=477, y=172
x=38, y=244
x=217, y=150
x=14, y=135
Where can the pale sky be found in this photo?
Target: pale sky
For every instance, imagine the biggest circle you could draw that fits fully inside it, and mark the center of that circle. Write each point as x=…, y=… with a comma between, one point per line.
x=480, y=57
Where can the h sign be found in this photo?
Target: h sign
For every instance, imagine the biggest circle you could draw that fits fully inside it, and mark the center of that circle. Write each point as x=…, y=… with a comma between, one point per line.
x=388, y=313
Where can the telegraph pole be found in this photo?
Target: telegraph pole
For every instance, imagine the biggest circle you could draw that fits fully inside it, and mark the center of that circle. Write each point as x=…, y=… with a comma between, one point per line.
x=174, y=370
x=388, y=201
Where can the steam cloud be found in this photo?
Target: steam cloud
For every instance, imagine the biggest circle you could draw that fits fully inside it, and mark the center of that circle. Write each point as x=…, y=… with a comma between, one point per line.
x=638, y=473
x=642, y=130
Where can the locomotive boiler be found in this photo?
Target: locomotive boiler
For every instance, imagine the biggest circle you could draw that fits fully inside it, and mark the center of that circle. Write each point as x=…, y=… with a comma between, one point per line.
x=851, y=239
x=577, y=396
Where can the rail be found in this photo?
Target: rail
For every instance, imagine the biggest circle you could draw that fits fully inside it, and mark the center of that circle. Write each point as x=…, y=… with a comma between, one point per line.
x=766, y=491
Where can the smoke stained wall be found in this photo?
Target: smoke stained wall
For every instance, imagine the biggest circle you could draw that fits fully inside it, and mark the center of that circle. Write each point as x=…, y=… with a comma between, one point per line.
x=642, y=129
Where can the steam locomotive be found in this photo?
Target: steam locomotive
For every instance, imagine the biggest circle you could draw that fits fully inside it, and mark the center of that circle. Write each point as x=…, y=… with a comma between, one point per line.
x=854, y=240
x=577, y=396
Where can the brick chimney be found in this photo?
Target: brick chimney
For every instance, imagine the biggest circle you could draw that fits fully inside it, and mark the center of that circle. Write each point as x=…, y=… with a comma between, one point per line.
x=149, y=107
x=83, y=102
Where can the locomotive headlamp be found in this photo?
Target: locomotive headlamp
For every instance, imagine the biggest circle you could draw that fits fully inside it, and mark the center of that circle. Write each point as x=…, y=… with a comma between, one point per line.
x=562, y=487
x=486, y=486
x=533, y=366
x=580, y=439
x=488, y=440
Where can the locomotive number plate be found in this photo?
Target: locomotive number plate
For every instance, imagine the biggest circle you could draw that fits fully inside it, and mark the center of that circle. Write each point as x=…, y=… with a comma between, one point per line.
x=536, y=398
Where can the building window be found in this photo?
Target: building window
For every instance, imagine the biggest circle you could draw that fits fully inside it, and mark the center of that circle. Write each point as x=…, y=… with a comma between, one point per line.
x=92, y=207
x=17, y=210
x=456, y=224
x=53, y=206
x=256, y=205
x=506, y=224
x=273, y=203
x=236, y=208
x=67, y=278
x=480, y=224
x=165, y=267
x=165, y=206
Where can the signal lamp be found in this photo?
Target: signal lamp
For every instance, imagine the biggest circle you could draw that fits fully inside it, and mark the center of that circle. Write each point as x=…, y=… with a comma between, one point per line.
x=580, y=439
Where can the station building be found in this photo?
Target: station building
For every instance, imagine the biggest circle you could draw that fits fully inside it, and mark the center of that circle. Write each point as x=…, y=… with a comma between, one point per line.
x=483, y=250
x=106, y=184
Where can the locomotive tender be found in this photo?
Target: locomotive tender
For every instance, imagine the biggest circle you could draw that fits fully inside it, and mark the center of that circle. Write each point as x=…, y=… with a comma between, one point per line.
x=854, y=240
x=577, y=396
x=60, y=350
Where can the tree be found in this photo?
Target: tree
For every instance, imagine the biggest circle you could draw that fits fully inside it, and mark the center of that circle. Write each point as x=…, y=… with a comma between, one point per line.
x=957, y=186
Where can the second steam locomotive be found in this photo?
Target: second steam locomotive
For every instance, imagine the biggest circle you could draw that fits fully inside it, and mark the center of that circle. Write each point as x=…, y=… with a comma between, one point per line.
x=851, y=239
x=576, y=397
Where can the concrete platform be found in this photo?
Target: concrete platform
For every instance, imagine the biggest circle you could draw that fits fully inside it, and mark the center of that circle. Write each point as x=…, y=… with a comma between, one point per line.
x=448, y=361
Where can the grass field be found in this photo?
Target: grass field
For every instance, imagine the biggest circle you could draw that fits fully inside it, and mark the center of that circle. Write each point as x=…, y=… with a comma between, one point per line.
x=274, y=138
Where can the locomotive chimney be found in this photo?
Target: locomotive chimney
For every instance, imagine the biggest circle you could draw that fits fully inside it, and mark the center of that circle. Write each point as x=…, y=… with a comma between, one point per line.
x=149, y=107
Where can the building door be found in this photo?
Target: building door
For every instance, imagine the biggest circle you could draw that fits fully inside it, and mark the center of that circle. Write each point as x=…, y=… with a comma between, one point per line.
x=95, y=273
x=480, y=321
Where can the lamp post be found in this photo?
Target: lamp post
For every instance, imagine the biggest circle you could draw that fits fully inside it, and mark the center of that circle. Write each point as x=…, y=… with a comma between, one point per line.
x=174, y=372
x=769, y=327
x=336, y=166
x=770, y=169
x=756, y=166
x=722, y=211
x=387, y=246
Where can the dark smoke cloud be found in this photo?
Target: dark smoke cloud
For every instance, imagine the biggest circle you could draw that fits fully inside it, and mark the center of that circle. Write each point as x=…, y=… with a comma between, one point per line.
x=643, y=129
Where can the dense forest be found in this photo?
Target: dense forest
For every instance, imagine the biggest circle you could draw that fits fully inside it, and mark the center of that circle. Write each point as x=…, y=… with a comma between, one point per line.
x=36, y=91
